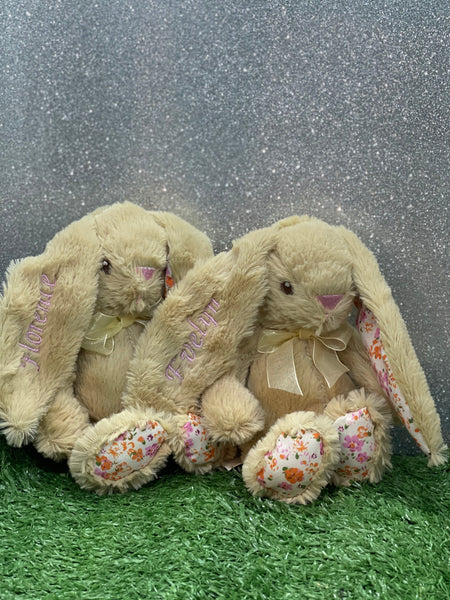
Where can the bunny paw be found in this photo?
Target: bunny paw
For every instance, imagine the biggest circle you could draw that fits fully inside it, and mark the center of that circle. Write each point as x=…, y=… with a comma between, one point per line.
x=291, y=466
x=356, y=434
x=106, y=461
x=193, y=448
x=362, y=422
x=198, y=447
x=131, y=451
x=296, y=465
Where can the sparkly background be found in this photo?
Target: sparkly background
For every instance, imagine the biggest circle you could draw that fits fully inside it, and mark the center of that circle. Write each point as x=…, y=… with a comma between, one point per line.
x=233, y=115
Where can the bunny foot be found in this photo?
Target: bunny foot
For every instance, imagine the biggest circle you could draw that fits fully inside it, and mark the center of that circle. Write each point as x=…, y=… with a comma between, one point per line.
x=295, y=460
x=122, y=452
x=362, y=423
x=193, y=448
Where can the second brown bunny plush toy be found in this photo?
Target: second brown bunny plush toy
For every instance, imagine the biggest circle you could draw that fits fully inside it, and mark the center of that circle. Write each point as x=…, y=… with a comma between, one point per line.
x=70, y=319
x=320, y=391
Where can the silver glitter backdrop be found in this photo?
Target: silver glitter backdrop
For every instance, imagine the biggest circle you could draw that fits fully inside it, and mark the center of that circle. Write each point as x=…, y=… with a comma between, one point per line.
x=234, y=114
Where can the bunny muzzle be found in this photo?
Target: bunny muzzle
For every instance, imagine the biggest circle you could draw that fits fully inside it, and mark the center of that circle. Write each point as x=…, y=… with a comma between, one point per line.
x=146, y=292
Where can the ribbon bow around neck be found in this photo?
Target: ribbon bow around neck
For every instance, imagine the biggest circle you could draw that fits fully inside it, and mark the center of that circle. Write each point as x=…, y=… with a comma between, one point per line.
x=280, y=363
x=102, y=329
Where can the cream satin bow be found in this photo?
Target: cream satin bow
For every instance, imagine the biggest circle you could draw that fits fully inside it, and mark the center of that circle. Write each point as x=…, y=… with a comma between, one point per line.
x=280, y=364
x=102, y=329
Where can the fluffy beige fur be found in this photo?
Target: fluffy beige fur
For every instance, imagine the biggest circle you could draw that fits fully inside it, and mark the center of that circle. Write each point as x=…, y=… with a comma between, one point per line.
x=318, y=259
x=50, y=388
x=241, y=290
x=236, y=282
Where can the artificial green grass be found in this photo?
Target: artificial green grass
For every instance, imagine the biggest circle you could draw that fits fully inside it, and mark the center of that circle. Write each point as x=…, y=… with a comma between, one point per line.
x=187, y=537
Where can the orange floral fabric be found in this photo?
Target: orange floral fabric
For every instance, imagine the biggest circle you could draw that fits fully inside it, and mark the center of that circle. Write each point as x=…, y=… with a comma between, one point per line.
x=370, y=333
x=291, y=465
x=130, y=451
x=355, y=431
x=198, y=448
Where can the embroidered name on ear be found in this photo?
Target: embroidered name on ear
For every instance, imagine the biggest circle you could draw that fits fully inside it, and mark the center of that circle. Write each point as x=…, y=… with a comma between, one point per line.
x=35, y=332
x=189, y=350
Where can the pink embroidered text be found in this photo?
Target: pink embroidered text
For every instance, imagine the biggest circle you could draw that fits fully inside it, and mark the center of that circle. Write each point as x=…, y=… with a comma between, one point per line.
x=35, y=331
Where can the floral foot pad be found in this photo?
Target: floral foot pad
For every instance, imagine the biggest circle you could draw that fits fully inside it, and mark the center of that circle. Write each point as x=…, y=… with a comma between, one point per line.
x=357, y=444
x=131, y=451
x=290, y=467
x=197, y=446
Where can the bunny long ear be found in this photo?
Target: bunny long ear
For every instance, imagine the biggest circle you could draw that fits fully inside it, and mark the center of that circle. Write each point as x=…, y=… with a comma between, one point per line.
x=46, y=308
x=391, y=352
x=186, y=244
x=198, y=334
x=293, y=220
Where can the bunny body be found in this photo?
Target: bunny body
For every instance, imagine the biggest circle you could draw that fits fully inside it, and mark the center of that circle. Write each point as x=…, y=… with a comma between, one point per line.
x=275, y=306
x=278, y=469
x=316, y=394
x=100, y=379
x=72, y=317
x=312, y=257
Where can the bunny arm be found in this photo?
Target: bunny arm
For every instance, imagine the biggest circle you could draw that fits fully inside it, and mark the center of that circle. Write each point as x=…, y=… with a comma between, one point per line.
x=231, y=412
x=96, y=394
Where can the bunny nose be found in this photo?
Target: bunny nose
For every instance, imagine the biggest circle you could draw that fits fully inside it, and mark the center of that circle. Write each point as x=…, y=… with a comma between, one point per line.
x=146, y=272
x=329, y=302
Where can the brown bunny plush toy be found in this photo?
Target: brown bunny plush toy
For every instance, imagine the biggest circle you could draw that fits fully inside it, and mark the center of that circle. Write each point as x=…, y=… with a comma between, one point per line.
x=328, y=389
x=319, y=396
x=70, y=319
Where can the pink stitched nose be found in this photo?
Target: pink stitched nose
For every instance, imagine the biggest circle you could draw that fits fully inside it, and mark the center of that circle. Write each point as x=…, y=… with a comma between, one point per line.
x=329, y=302
x=146, y=272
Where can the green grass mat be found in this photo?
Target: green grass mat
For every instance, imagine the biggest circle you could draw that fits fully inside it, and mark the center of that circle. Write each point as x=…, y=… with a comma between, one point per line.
x=187, y=537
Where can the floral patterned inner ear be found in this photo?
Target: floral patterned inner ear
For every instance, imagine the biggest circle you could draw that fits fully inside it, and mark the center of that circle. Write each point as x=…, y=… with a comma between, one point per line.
x=168, y=278
x=367, y=326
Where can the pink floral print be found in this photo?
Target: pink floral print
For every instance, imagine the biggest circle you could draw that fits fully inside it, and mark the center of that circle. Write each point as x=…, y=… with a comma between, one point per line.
x=355, y=431
x=291, y=465
x=197, y=446
x=370, y=333
x=130, y=451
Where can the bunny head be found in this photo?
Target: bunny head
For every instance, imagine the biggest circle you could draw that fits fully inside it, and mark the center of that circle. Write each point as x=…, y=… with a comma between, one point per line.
x=316, y=272
x=133, y=278
x=310, y=277
x=143, y=254
x=118, y=261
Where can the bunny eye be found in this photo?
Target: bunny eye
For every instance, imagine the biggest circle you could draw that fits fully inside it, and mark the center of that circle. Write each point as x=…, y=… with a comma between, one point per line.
x=287, y=288
x=106, y=266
